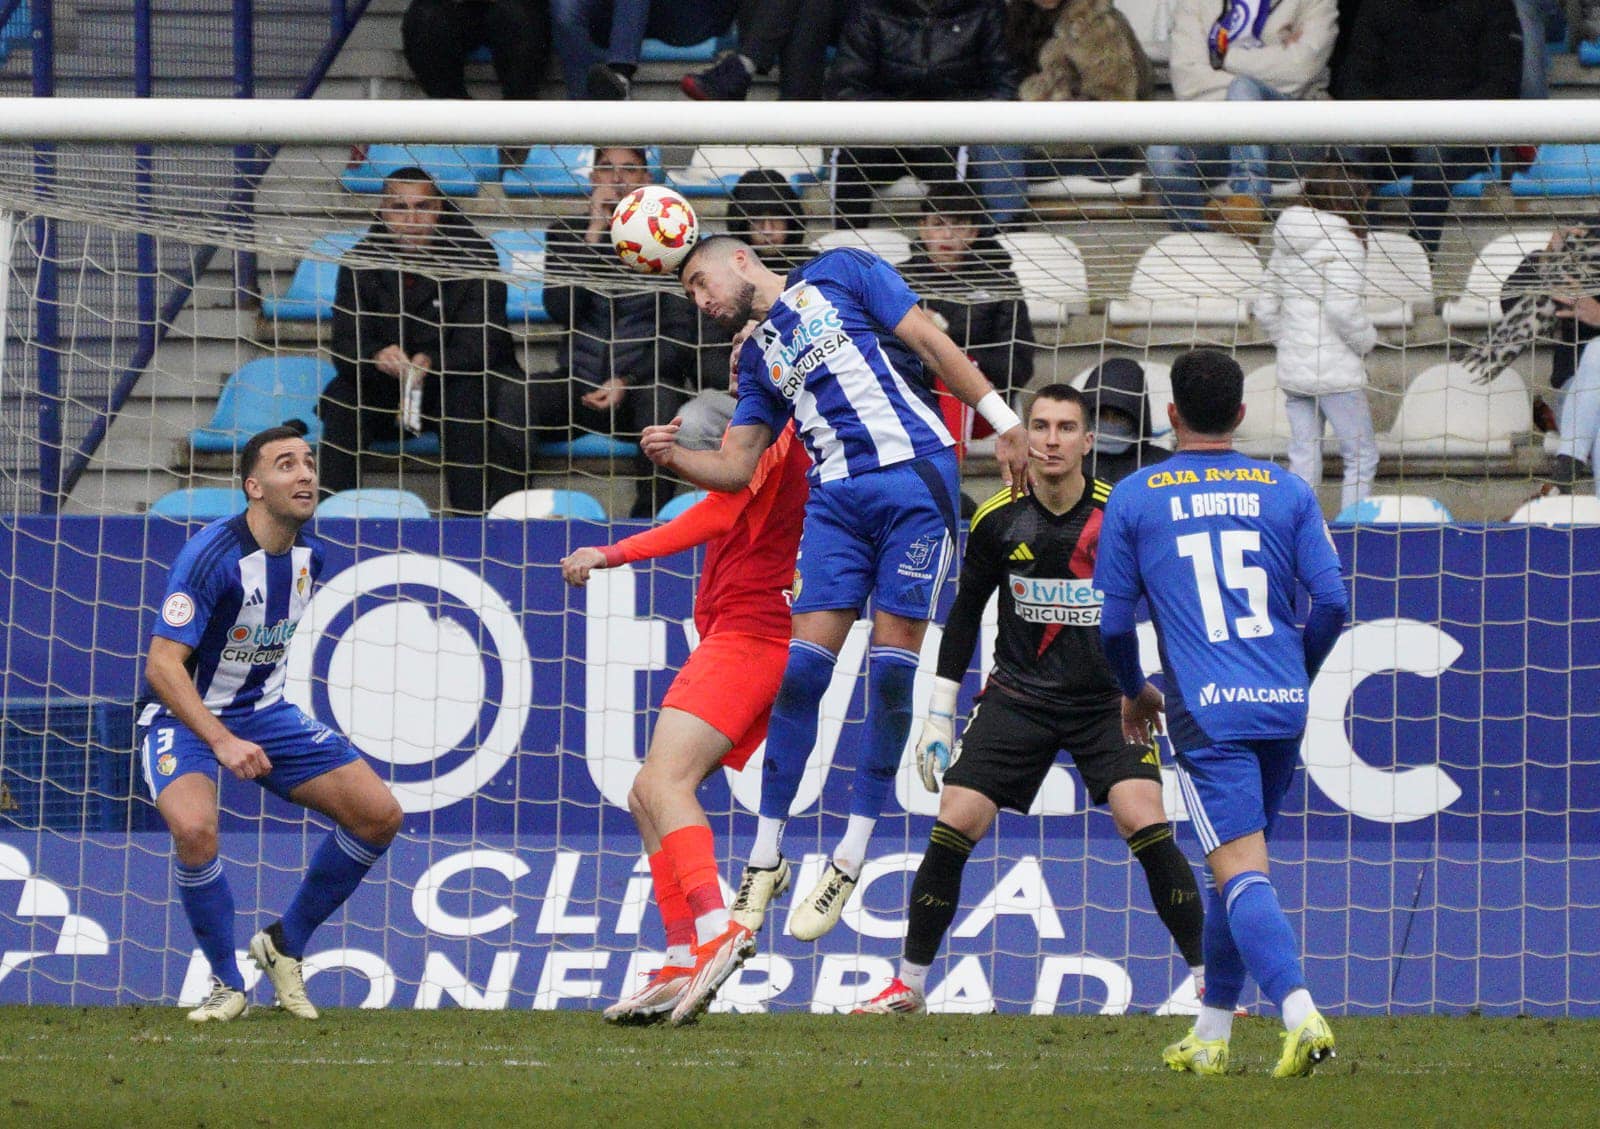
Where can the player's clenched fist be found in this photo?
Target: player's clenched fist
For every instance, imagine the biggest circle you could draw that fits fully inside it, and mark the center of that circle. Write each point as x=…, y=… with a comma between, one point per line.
x=575, y=569
x=245, y=759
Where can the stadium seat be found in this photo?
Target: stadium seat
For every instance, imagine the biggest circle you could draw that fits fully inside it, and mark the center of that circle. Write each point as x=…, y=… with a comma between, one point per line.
x=457, y=169
x=884, y=242
x=655, y=51
x=1479, y=305
x=261, y=394
x=1445, y=412
x=1559, y=509
x=424, y=446
x=374, y=502
x=1191, y=278
x=199, y=503
x=533, y=505
x=521, y=254
x=1589, y=53
x=1395, y=509
x=17, y=30
x=1264, y=434
x=678, y=504
x=316, y=279
x=1086, y=188
x=713, y=170
x=1157, y=394
x=1469, y=189
x=1560, y=170
x=1399, y=280
x=591, y=445
x=1050, y=268
x=562, y=170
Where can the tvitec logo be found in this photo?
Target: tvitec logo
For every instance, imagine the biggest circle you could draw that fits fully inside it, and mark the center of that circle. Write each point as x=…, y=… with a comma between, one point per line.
x=424, y=666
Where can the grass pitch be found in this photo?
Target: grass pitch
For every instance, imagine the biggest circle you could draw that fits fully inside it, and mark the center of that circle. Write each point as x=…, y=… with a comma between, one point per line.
x=148, y=1066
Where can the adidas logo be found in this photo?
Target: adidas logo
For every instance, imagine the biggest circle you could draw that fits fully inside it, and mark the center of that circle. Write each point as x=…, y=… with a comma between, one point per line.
x=254, y=598
x=1022, y=553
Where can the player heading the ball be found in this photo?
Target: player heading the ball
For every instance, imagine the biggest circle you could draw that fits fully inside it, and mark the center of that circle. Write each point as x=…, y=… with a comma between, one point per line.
x=217, y=665
x=841, y=347
x=1217, y=543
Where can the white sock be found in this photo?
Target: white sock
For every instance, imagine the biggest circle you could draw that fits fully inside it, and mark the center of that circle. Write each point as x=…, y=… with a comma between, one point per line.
x=851, y=854
x=1198, y=971
x=1214, y=1023
x=680, y=956
x=914, y=976
x=1297, y=1008
x=769, y=833
x=711, y=925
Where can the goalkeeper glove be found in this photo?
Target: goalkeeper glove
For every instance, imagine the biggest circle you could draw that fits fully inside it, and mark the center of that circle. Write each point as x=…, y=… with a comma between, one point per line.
x=936, y=747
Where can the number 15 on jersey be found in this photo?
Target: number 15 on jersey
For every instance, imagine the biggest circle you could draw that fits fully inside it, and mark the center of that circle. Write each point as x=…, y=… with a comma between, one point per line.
x=1229, y=550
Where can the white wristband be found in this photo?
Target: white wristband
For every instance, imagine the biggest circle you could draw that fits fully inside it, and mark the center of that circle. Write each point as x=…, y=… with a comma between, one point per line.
x=943, y=699
x=1000, y=416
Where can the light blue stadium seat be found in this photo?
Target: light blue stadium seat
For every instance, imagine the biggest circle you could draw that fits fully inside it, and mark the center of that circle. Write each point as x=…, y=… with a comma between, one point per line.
x=1589, y=53
x=199, y=503
x=315, y=282
x=591, y=446
x=457, y=169
x=655, y=51
x=424, y=446
x=18, y=30
x=372, y=502
x=521, y=254
x=539, y=505
x=678, y=504
x=1469, y=189
x=562, y=170
x=1395, y=509
x=1560, y=170
x=265, y=393
x=714, y=170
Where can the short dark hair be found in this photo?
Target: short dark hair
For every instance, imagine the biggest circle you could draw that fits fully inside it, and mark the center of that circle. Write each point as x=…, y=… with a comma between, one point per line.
x=1207, y=389
x=411, y=174
x=1061, y=393
x=956, y=202
x=251, y=455
x=709, y=241
x=765, y=194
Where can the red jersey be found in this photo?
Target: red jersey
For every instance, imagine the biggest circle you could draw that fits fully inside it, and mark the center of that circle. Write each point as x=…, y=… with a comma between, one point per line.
x=753, y=535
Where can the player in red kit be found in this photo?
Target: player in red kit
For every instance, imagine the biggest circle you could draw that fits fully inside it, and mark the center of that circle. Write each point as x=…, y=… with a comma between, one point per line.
x=715, y=713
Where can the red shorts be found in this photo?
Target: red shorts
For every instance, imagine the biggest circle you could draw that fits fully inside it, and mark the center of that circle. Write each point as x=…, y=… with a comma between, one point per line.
x=729, y=683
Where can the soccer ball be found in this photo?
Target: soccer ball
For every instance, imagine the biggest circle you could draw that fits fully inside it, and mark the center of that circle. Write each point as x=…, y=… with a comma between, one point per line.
x=653, y=228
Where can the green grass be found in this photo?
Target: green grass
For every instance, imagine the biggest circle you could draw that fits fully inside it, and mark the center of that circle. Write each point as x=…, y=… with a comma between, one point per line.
x=136, y=1066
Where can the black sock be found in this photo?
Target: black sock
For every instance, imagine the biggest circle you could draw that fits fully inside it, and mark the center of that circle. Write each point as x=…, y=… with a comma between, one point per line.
x=936, y=892
x=1172, y=888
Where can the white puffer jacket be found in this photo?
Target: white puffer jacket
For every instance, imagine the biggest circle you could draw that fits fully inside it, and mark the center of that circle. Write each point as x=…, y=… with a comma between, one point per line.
x=1311, y=303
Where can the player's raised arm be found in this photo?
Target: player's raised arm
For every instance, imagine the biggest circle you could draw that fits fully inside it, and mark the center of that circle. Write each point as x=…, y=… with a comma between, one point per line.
x=168, y=676
x=972, y=388
x=729, y=468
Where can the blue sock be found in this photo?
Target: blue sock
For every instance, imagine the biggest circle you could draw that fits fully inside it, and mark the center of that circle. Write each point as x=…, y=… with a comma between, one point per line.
x=336, y=870
x=891, y=671
x=1263, y=936
x=792, y=732
x=208, y=903
x=1224, y=965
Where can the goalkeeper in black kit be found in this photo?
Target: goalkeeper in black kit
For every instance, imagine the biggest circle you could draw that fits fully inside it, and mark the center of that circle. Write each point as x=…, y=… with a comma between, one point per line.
x=1051, y=689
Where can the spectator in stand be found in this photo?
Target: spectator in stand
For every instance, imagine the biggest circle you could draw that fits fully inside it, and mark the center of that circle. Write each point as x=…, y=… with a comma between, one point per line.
x=1435, y=49
x=428, y=318
x=922, y=50
x=1116, y=394
x=1313, y=308
x=628, y=356
x=581, y=27
x=1078, y=51
x=1256, y=50
x=439, y=35
x=772, y=34
x=964, y=278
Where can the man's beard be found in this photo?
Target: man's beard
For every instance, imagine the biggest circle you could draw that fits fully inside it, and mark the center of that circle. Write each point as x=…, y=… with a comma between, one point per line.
x=743, y=309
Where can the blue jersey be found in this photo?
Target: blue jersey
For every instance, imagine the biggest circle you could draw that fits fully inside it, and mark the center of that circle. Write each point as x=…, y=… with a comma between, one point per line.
x=237, y=606
x=1216, y=542
x=827, y=355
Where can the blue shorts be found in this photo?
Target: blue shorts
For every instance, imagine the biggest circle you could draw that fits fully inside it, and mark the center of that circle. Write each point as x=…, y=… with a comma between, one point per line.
x=888, y=534
x=1235, y=788
x=299, y=748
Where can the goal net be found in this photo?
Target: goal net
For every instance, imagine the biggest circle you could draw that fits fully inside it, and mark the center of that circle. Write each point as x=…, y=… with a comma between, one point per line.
x=171, y=283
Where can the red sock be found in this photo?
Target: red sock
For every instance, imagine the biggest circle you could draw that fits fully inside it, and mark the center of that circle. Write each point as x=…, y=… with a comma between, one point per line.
x=676, y=916
x=694, y=860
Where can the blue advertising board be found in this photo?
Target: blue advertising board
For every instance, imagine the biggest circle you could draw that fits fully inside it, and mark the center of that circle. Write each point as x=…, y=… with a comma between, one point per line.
x=1438, y=852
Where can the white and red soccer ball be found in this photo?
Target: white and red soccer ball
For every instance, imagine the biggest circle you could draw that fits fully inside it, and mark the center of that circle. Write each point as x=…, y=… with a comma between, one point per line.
x=653, y=229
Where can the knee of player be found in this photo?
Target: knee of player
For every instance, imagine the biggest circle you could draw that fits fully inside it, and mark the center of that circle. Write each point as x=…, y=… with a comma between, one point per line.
x=194, y=837
x=638, y=795
x=386, y=824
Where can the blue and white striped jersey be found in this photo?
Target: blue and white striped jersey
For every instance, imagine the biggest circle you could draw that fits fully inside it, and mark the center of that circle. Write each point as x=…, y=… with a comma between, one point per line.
x=237, y=606
x=827, y=355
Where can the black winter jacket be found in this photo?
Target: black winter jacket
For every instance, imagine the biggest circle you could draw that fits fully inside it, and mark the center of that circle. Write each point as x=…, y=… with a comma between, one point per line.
x=935, y=50
x=981, y=303
x=1402, y=49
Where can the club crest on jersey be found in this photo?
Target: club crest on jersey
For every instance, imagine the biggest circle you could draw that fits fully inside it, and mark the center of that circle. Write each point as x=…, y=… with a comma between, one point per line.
x=1059, y=600
x=178, y=610
x=166, y=764
x=303, y=581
